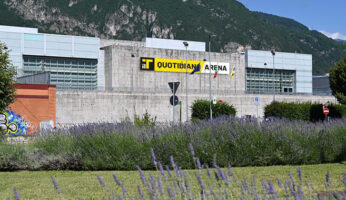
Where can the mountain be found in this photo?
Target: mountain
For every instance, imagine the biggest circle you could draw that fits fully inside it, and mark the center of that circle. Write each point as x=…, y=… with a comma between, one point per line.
x=340, y=40
x=230, y=21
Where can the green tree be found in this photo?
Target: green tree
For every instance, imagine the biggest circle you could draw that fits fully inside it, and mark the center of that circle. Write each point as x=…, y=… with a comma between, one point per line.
x=337, y=79
x=7, y=74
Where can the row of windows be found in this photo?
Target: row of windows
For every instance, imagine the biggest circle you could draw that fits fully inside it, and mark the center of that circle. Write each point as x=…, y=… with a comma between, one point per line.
x=63, y=70
x=65, y=73
x=66, y=82
x=54, y=60
x=268, y=81
x=70, y=67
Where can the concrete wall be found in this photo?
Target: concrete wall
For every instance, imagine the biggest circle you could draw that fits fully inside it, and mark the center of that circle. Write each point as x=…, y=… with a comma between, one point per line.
x=173, y=44
x=123, y=74
x=77, y=107
x=107, y=42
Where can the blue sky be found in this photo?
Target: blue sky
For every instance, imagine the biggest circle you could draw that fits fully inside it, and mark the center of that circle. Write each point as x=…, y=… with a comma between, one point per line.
x=327, y=16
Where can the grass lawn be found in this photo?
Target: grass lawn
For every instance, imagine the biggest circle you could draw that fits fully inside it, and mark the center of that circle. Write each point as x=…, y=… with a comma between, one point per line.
x=84, y=184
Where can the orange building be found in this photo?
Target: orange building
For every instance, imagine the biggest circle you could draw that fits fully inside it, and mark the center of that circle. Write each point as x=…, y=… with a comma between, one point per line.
x=35, y=103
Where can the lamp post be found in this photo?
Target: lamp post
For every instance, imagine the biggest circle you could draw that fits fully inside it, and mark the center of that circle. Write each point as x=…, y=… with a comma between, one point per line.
x=273, y=53
x=187, y=98
x=210, y=106
x=266, y=76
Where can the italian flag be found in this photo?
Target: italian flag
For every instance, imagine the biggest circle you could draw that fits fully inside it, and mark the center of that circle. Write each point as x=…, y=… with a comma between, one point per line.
x=216, y=70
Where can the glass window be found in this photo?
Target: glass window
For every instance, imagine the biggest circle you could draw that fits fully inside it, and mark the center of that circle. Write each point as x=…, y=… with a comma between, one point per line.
x=66, y=73
x=268, y=81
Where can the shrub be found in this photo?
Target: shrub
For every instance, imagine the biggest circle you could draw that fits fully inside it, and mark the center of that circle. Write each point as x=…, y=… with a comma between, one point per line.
x=107, y=146
x=145, y=120
x=201, y=109
x=303, y=111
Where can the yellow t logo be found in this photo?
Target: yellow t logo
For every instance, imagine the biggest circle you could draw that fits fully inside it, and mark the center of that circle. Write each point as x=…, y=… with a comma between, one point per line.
x=147, y=61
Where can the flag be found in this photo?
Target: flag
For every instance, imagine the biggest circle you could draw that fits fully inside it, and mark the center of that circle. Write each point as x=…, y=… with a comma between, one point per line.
x=233, y=72
x=216, y=70
x=197, y=69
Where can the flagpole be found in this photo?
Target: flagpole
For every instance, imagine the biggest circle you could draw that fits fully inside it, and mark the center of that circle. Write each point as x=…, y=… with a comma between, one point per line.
x=210, y=106
x=187, y=99
x=235, y=80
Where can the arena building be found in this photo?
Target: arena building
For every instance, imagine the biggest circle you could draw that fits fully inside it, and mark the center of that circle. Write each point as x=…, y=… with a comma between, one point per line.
x=137, y=76
x=124, y=78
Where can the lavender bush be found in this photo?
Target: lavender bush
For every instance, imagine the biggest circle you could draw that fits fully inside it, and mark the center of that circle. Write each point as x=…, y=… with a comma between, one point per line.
x=239, y=142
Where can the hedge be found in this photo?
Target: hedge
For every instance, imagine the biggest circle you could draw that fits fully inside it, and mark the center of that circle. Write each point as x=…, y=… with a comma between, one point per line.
x=201, y=109
x=303, y=111
x=234, y=141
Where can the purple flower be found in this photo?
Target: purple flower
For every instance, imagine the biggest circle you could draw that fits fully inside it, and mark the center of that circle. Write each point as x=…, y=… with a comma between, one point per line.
x=242, y=190
x=198, y=163
x=328, y=177
x=221, y=173
x=229, y=170
x=162, y=171
x=159, y=184
x=280, y=183
x=168, y=171
x=141, y=175
x=120, y=198
x=200, y=181
x=293, y=181
x=16, y=195
x=140, y=192
x=171, y=193
x=172, y=162
x=301, y=193
x=116, y=179
x=271, y=189
x=293, y=192
x=152, y=181
x=245, y=185
x=192, y=150
x=212, y=192
x=124, y=191
x=150, y=190
x=208, y=172
x=55, y=185
x=153, y=157
x=300, y=174
x=100, y=181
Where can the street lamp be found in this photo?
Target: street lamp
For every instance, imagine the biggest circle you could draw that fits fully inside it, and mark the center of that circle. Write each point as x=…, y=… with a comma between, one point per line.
x=210, y=106
x=273, y=53
x=266, y=76
x=187, y=98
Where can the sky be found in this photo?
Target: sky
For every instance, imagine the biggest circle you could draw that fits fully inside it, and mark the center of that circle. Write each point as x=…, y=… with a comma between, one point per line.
x=326, y=16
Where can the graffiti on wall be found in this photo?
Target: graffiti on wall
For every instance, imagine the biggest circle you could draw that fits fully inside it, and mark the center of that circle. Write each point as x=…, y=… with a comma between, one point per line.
x=12, y=123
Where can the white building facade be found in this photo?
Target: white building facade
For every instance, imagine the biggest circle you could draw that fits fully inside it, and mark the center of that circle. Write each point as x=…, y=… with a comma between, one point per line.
x=73, y=62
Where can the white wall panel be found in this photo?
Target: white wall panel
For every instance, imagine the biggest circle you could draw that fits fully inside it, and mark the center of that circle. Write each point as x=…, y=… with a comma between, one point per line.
x=301, y=63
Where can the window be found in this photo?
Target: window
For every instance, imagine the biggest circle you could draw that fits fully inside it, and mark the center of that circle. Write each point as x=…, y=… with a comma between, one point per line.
x=66, y=73
x=268, y=81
